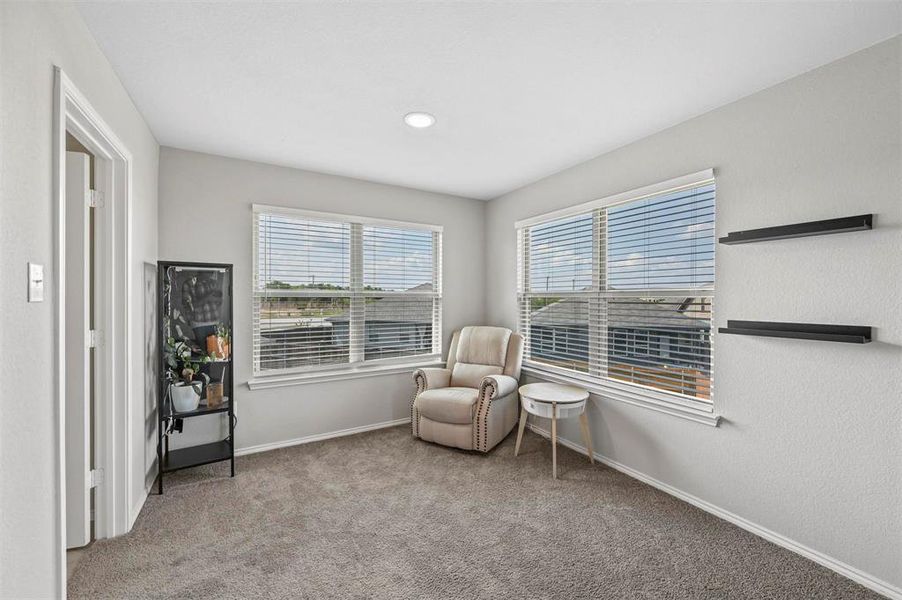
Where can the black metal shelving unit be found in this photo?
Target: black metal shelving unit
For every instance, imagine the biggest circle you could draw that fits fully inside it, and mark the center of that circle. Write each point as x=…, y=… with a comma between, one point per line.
x=193, y=299
x=782, y=232
x=850, y=334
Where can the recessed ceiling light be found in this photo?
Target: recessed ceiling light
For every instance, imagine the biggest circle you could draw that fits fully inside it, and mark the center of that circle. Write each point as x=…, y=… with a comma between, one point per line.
x=419, y=120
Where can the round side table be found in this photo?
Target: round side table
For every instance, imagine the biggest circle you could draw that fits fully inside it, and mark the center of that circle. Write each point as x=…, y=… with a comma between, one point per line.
x=554, y=401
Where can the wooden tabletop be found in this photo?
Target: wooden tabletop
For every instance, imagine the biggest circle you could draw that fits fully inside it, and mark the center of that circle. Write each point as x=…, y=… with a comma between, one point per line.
x=553, y=392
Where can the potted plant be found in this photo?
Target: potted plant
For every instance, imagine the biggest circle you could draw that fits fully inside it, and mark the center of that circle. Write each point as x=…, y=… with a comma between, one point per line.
x=183, y=367
x=219, y=345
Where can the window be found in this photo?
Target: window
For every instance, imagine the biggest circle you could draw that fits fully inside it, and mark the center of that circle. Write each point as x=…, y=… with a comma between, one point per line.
x=333, y=291
x=619, y=292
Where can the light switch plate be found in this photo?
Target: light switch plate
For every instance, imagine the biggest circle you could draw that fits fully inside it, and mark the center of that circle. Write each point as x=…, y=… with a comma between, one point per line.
x=35, y=282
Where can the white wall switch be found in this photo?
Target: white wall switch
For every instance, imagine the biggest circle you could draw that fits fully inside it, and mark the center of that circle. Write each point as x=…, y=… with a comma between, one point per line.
x=35, y=282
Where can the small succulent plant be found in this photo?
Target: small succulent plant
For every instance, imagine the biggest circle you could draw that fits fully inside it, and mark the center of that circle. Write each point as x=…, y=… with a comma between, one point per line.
x=182, y=362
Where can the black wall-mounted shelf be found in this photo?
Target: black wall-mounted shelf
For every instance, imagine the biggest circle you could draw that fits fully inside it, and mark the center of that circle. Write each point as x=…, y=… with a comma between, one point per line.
x=850, y=334
x=782, y=232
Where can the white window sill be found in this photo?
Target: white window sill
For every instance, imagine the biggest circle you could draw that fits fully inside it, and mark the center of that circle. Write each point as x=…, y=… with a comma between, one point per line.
x=685, y=409
x=287, y=379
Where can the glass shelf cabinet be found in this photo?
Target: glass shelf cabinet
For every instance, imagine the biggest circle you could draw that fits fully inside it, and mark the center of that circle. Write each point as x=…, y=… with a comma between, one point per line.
x=196, y=377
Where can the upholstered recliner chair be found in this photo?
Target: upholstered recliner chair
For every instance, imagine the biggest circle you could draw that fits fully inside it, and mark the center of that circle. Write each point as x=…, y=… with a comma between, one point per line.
x=473, y=402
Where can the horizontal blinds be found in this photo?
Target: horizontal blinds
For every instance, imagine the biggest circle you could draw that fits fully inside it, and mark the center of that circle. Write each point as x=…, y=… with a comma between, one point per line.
x=291, y=332
x=560, y=255
x=297, y=253
x=662, y=343
x=335, y=292
x=558, y=331
x=397, y=259
x=397, y=326
x=625, y=292
x=400, y=277
x=662, y=242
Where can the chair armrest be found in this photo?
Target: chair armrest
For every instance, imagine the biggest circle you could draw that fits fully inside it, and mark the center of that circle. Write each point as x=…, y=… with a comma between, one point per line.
x=497, y=386
x=490, y=425
x=430, y=379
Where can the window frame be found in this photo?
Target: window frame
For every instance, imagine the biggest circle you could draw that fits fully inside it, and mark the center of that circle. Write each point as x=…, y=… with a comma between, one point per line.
x=356, y=366
x=702, y=411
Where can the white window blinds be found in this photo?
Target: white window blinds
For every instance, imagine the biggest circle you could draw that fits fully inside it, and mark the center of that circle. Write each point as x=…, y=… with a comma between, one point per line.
x=622, y=293
x=331, y=290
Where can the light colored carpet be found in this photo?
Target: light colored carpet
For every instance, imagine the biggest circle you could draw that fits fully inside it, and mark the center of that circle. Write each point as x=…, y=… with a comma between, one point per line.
x=382, y=515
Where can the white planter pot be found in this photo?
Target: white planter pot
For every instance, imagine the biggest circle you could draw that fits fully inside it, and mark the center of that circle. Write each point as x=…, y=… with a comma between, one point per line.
x=185, y=398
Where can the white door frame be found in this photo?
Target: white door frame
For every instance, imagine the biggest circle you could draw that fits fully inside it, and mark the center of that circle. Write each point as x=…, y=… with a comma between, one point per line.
x=113, y=310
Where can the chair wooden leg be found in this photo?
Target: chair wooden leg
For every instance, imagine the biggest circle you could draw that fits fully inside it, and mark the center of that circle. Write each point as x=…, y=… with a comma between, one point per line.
x=523, y=414
x=554, y=439
x=587, y=436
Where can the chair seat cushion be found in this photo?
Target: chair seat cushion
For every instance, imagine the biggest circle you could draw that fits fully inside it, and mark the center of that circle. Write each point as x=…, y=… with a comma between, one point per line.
x=448, y=405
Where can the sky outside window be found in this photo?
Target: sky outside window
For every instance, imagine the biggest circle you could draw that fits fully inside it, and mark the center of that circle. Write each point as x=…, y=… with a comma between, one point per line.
x=663, y=242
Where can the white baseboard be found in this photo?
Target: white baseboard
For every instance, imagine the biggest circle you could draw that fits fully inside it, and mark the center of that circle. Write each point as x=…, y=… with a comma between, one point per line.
x=856, y=575
x=136, y=509
x=318, y=437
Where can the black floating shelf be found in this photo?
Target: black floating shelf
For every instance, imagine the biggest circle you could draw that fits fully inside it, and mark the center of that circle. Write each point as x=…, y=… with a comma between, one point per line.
x=850, y=334
x=782, y=232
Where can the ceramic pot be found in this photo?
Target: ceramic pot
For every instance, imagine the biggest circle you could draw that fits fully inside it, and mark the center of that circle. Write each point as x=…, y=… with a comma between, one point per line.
x=185, y=397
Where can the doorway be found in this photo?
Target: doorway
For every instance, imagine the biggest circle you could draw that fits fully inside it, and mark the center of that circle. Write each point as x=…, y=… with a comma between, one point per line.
x=92, y=307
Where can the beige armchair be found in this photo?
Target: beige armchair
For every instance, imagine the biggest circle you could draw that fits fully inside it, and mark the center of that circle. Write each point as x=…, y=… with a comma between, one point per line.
x=473, y=402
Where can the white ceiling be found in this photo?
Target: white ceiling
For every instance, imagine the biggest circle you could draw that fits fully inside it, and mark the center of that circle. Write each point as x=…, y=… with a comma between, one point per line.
x=520, y=90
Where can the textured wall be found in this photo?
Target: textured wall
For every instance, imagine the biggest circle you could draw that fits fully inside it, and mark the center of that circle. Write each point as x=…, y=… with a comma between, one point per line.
x=195, y=187
x=811, y=440
x=33, y=38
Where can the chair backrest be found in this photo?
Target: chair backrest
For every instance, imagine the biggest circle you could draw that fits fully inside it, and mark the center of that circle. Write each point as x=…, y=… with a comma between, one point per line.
x=479, y=351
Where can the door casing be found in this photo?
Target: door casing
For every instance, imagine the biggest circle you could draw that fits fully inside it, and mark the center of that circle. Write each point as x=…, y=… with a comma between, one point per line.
x=114, y=514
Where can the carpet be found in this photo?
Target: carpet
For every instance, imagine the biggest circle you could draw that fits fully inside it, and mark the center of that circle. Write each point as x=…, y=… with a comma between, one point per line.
x=383, y=515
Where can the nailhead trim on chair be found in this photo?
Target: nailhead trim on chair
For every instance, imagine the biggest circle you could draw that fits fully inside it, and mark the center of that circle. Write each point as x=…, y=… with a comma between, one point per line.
x=420, y=378
x=481, y=431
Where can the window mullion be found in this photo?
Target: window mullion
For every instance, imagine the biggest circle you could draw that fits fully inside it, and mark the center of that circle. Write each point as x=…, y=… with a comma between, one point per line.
x=357, y=317
x=437, y=290
x=598, y=334
x=523, y=285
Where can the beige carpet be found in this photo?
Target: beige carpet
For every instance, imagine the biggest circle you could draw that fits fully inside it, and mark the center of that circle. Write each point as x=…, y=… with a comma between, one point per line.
x=381, y=515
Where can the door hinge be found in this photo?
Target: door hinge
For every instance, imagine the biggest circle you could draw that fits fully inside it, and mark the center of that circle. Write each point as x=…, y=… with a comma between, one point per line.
x=94, y=199
x=95, y=338
x=95, y=477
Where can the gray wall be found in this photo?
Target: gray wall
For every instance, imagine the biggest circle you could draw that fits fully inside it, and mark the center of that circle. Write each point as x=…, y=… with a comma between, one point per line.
x=196, y=187
x=811, y=443
x=33, y=38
